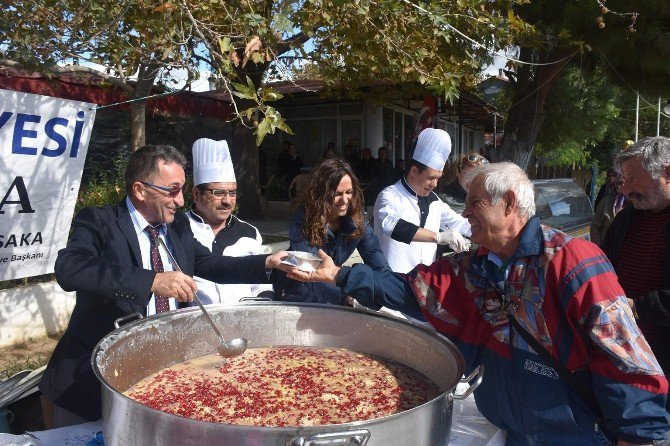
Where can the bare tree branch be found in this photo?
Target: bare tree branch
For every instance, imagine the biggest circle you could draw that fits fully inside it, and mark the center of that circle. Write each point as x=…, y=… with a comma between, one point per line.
x=293, y=42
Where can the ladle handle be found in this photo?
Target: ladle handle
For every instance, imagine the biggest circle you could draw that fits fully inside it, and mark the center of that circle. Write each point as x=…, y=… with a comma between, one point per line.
x=197, y=299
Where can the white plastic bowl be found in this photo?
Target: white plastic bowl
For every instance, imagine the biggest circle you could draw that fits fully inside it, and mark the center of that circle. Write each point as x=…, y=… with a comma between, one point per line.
x=304, y=261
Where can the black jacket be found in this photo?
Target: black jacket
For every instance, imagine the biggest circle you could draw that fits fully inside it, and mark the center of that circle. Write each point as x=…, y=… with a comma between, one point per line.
x=102, y=262
x=654, y=307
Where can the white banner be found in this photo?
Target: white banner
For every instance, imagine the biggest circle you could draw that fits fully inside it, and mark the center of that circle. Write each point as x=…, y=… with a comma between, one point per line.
x=43, y=144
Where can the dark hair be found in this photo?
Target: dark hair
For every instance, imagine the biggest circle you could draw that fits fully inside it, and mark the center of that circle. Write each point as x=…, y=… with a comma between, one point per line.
x=320, y=196
x=419, y=166
x=143, y=163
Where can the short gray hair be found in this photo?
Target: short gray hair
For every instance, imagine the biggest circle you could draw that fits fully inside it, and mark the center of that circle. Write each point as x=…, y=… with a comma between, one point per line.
x=653, y=152
x=502, y=177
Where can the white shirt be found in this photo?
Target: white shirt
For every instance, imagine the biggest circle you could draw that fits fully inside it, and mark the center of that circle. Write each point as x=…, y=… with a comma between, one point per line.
x=246, y=240
x=140, y=223
x=399, y=203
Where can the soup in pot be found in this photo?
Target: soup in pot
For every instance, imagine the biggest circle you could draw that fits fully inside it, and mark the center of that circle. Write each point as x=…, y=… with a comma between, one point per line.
x=286, y=386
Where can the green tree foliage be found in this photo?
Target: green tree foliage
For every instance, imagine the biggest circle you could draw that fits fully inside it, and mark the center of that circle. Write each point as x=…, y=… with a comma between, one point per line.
x=611, y=39
x=581, y=110
x=353, y=43
x=356, y=43
x=636, y=45
x=136, y=42
x=105, y=187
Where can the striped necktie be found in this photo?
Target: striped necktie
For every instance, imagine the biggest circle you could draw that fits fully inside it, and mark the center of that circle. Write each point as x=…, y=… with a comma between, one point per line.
x=162, y=302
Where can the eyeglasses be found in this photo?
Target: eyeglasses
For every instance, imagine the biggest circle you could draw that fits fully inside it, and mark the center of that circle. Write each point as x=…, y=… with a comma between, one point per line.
x=472, y=158
x=220, y=193
x=172, y=191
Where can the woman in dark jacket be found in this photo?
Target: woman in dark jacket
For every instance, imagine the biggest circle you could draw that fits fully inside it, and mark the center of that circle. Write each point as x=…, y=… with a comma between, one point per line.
x=330, y=218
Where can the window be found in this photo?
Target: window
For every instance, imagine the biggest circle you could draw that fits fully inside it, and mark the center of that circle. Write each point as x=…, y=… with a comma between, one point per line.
x=409, y=128
x=469, y=140
x=397, y=138
x=451, y=128
x=351, y=133
x=387, y=118
x=351, y=109
x=311, y=138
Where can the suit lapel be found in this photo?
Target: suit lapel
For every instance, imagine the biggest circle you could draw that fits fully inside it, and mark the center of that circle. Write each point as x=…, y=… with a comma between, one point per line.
x=128, y=229
x=177, y=248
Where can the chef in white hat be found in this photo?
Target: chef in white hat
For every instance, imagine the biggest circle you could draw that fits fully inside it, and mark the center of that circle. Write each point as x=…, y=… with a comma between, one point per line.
x=410, y=219
x=213, y=223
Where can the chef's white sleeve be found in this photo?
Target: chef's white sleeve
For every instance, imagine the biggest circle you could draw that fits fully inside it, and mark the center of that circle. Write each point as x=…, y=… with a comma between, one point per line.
x=450, y=219
x=388, y=221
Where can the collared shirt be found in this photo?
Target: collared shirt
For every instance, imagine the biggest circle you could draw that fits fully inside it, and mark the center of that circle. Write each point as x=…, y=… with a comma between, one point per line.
x=237, y=239
x=503, y=267
x=140, y=223
x=422, y=202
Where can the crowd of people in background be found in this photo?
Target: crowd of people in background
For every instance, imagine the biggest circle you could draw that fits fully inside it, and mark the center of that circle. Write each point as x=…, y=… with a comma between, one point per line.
x=289, y=161
x=373, y=174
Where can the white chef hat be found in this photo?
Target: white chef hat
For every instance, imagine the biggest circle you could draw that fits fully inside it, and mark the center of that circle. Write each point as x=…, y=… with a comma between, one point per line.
x=211, y=162
x=433, y=148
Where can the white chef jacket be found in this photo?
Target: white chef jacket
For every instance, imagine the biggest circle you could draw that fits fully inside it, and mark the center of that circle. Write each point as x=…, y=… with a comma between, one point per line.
x=247, y=241
x=397, y=216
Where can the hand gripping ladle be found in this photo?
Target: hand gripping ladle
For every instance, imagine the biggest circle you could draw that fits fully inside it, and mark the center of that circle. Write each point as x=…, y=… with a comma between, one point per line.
x=227, y=349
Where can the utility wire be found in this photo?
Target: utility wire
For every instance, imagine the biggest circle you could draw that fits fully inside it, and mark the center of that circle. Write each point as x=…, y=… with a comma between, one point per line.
x=488, y=50
x=654, y=106
x=167, y=93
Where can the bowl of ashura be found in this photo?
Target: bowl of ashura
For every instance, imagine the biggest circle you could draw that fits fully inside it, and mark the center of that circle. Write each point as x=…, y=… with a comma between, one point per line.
x=304, y=261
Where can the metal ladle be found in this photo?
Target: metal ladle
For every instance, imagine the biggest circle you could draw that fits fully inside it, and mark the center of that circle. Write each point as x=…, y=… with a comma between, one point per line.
x=227, y=349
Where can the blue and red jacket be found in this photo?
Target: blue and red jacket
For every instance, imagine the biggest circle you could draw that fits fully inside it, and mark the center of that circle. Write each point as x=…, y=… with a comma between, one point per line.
x=564, y=292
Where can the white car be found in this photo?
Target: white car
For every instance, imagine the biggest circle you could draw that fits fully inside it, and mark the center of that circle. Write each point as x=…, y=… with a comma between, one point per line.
x=560, y=203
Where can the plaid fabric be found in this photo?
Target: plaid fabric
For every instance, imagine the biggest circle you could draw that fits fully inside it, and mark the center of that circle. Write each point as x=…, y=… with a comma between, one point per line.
x=565, y=293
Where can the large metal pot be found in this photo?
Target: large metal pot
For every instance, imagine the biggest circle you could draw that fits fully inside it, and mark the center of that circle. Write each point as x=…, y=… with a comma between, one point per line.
x=140, y=348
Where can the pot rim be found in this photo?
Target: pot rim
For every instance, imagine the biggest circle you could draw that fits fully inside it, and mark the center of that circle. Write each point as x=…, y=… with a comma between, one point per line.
x=107, y=341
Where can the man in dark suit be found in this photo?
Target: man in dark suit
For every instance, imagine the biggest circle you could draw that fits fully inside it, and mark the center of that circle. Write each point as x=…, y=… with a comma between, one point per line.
x=115, y=263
